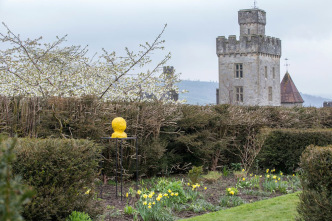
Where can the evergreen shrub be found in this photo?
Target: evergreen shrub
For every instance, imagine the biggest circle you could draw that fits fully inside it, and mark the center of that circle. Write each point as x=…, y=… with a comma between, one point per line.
x=62, y=172
x=13, y=193
x=283, y=147
x=316, y=179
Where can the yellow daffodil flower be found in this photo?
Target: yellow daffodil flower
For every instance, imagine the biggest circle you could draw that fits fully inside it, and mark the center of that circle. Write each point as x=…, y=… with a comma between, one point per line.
x=88, y=191
x=144, y=203
x=205, y=188
x=243, y=179
x=145, y=196
x=268, y=176
x=158, y=198
x=176, y=194
x=139, y=192
x=153, y=202
x=169, y=190
x=267, y=171
x=127, y=194
x=149, y=207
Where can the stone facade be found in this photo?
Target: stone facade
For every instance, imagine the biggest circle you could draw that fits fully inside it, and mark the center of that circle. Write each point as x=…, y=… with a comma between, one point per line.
x=249, y=67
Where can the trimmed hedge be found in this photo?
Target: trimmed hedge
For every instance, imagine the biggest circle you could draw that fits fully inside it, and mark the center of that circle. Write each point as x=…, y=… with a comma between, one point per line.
x=61, y=171
x=283, y=147
x=172, y=138
x=316, y=179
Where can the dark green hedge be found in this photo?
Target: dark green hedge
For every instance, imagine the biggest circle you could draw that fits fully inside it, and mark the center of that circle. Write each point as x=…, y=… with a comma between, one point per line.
x=316, y=179
x=61, y=171
x=283, y=147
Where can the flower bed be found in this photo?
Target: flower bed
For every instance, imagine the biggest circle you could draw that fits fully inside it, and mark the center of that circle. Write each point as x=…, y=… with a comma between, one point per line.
x=176, y=197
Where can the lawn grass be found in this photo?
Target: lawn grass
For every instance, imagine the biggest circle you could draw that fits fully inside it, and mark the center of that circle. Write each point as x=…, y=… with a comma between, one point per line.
x=278, y=208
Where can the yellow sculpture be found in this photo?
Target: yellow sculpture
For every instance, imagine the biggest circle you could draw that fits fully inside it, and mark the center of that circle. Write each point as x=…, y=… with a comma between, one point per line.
x=119, y=125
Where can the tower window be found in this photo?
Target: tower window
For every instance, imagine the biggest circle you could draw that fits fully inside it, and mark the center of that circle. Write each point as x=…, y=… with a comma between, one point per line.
x=248, y=31
x=270, y=93
x=265, y=71
x=239, y=94
x=273, y=73
x=238, y=71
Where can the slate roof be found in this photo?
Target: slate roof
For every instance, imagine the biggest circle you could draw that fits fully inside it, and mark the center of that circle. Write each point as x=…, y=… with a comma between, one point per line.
x=289, y=92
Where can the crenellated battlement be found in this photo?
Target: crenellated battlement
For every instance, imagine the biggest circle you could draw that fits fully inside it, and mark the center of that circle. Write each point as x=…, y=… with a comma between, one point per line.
x=248, y=44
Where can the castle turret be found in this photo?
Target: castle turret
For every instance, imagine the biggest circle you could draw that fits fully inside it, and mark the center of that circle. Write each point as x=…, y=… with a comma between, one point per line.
x=252, y=21
x=249, y=67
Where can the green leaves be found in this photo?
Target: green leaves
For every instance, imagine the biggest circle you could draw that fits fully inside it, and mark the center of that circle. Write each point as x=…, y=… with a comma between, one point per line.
x=13, y=193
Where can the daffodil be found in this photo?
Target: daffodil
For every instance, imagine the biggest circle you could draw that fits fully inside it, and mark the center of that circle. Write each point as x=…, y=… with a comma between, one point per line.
x=149, y=203
x=145, y=196
x=243, y=179
x=188, y=184
x=169, y=190
x=293, y=174
x=274, y=177
x=127, y=194
x=205, y=188
x=160, y=195
x=158, y=198
x=172, y=194
x=279, y=178
x=229, y=189
x=268, y=176
x=153, y=202
x=176, y=194
x=88, y=191
x=139, y=192
x=165, y=194
x=149, y=207
x=242, y=170
x=144, y=203
x=232, y=192
x=267, y=171
x=276, y=181
x=281, y=173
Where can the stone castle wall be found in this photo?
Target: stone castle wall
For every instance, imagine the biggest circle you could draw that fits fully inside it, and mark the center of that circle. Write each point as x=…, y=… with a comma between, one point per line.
x=255, y=84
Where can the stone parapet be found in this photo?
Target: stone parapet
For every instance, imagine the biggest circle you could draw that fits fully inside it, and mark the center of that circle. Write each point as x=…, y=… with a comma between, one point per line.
x=248, y=44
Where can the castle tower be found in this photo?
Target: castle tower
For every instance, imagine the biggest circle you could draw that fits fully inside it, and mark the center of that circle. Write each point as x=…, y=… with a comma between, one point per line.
x=249, y=68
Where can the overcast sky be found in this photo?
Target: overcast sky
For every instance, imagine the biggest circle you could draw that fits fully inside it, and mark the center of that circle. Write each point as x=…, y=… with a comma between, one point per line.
x=304, y=27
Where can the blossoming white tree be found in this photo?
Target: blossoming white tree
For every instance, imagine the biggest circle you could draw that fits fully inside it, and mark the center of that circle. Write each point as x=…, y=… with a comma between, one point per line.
x=30, y=68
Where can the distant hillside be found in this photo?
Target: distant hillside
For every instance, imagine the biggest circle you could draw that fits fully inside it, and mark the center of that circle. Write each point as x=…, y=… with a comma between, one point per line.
x=202, y=93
